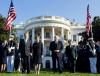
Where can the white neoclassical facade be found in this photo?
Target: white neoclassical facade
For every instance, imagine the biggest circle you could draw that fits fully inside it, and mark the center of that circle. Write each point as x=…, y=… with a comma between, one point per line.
x=47, y=27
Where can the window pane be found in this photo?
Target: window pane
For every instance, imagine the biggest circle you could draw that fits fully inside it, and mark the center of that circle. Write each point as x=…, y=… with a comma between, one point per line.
x=47, y=51
x=47, y=35
x=74, y=37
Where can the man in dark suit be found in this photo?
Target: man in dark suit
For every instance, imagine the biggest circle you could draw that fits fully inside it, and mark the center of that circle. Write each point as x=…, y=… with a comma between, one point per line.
x=71, y=53
x=28, y=52
x=24, y=48
x=23, y=55
x=98, y=55
x=56, y=47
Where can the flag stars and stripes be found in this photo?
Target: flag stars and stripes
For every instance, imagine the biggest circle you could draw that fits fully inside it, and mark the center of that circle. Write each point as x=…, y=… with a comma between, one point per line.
x=11, y=17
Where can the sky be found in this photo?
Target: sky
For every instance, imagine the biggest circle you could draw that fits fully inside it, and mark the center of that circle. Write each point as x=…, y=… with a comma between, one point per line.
x=70, y=9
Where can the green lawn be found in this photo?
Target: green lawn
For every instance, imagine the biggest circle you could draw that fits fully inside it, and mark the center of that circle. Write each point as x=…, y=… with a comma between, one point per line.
x=49, y=73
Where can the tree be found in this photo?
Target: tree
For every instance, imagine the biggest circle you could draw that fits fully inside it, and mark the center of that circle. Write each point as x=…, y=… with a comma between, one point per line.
x=4, y=34
x=2, y=21
x=96, y=28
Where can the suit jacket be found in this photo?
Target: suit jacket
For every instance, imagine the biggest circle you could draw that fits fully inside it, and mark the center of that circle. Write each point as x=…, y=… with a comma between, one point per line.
x=27, y=48
x=22, y=48
x=56, y=46
x=71, y=52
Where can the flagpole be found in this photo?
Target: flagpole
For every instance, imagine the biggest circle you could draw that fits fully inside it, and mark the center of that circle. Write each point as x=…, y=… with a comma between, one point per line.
x=10, y=32
x=91, y=28
x=10, y=27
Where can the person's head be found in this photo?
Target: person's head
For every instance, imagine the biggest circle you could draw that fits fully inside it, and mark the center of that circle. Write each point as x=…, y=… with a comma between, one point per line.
x=27, y=35
x=37, y=38
x=11, y=37
x=82, y=38
x=22, y=42
x=56, y=38
x=17, y=44
x=80, y=44
x=69, y=42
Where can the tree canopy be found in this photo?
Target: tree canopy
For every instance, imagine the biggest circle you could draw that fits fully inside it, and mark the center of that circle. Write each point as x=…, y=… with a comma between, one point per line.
x=4, y=34
x=2, y=21
x=96, y=28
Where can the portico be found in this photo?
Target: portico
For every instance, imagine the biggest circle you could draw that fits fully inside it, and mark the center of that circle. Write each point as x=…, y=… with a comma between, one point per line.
x=47, y=27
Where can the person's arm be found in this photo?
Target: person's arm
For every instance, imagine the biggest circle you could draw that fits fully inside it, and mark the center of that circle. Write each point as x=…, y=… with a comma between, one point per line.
x=61, y=46
x=30, y=47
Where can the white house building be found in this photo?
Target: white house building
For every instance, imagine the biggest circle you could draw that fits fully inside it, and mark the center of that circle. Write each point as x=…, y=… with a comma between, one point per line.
x=47, y=27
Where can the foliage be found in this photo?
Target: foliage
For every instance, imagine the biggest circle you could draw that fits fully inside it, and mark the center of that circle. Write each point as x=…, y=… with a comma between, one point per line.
x=2, y=21
x=4, y=34
x=96, y=28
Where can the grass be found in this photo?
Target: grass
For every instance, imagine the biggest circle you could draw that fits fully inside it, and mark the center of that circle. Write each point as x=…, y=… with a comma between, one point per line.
x=49, y=73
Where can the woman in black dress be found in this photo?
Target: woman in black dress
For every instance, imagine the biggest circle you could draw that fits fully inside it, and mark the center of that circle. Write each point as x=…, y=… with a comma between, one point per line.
x=37, y=54
x=4, y=55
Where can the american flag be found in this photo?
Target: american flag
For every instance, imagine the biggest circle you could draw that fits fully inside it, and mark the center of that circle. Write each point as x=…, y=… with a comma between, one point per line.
x=11, y=17
x=88, y=22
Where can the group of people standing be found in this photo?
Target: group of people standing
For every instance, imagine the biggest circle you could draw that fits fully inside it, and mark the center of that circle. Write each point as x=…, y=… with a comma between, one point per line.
x=78, y=57
x=27, y=50
x=16, y=56
x=84, y=57
x=7, y=55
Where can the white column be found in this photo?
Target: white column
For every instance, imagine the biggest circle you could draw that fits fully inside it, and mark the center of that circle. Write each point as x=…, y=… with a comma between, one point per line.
x=78, y=38
x=53, y=33
x=62, y=35
x=68, y=37
x=42, y=39
x=42, y=35
x=33, y=35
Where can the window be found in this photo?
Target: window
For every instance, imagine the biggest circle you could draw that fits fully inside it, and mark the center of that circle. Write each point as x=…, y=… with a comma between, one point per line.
x=47, y=64
x=74, y=38
x=65, y=37
x=47, y=51
x=47, y=35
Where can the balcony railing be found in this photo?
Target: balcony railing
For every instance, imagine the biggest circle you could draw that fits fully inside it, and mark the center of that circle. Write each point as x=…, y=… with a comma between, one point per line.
x=57, y=18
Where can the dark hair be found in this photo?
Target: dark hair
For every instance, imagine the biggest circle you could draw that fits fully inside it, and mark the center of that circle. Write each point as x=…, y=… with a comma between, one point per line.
x=69, y=41
x=37, y=36
x=22, y=41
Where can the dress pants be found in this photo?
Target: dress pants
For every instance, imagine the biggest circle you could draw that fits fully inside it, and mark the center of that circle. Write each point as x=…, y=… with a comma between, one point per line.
x=23, y=61
x=58, y=59
x=28, y=64
x=25, y=64
x=72, y=65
